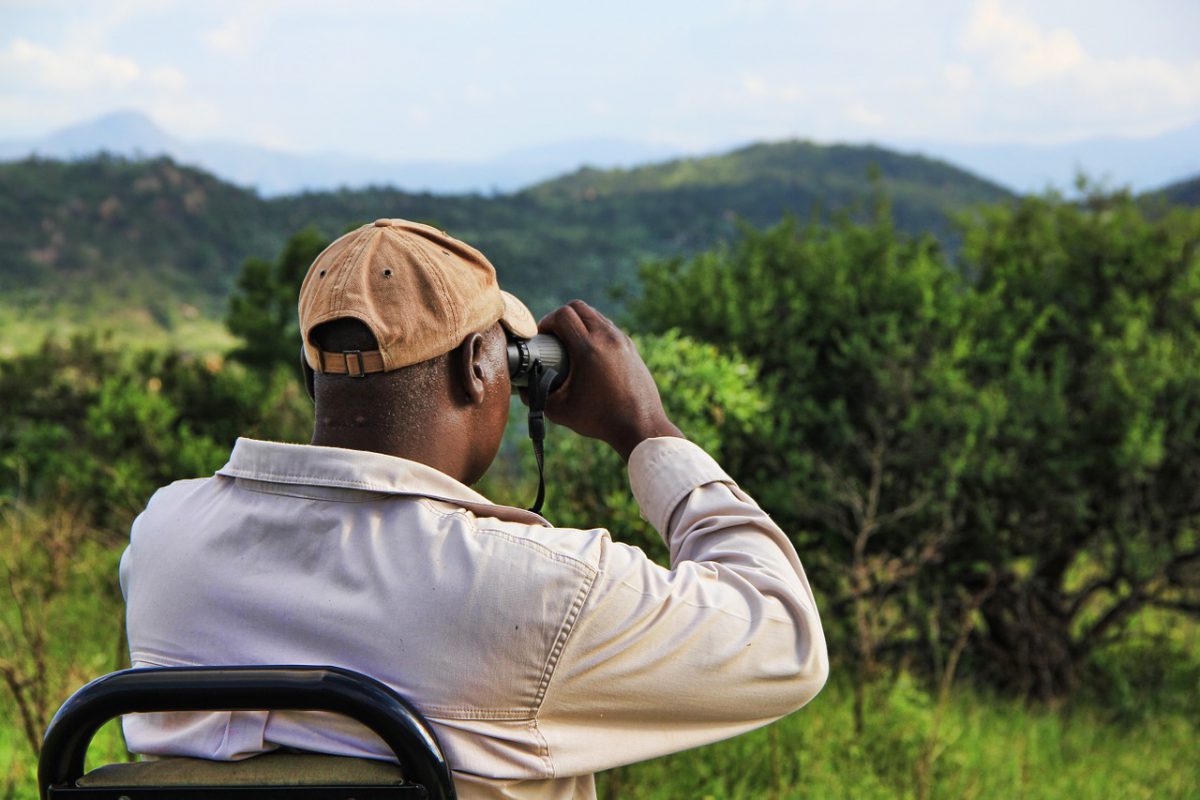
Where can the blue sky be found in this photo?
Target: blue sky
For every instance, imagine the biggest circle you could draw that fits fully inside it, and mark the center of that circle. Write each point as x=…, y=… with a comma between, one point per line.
x=471, y=79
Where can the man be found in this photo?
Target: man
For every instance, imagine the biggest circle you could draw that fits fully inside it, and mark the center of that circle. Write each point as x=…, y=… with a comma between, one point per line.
x=540, y=655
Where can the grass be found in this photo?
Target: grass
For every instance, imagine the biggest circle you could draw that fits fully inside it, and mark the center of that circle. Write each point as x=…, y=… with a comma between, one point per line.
x=1136, y=739
x=989, y=747
x=185, y=330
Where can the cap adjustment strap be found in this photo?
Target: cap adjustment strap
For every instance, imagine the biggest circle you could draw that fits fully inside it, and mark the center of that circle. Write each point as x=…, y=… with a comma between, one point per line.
x=355, y=363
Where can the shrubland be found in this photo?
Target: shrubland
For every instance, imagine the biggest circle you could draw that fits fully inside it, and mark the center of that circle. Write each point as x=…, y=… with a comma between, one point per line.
x=989, y=463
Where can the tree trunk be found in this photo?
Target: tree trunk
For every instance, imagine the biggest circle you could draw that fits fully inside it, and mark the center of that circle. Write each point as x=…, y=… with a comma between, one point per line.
x=1027, y=639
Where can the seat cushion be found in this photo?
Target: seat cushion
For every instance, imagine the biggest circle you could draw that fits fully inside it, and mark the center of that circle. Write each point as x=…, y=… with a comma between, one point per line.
x=269, y=769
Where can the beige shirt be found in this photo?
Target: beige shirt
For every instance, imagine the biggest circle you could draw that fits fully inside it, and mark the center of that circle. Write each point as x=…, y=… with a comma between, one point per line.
x=540, y=655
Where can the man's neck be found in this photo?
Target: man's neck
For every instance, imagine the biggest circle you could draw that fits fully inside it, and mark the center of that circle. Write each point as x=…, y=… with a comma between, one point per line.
x=428, y=447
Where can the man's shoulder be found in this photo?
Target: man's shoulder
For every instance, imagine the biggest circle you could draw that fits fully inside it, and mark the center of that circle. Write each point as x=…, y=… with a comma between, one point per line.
x=177, y=490
x=582, y=547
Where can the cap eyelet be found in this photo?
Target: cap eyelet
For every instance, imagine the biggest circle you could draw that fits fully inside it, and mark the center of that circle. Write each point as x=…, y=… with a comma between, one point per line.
x=387, y=273
x=322, y=274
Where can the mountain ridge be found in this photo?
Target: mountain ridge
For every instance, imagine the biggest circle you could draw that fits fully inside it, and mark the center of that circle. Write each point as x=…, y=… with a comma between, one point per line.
x=102, y=237
x=277, y=172
x=1139, y=163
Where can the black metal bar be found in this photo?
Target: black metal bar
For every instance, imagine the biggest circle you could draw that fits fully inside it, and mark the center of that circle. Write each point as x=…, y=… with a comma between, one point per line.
x=275, y=688
x=339, y=792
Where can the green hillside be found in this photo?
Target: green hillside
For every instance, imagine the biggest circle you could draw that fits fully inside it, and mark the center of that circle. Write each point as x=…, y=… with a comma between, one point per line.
x=152, y=244
x=110, y=226
x=1181, y=193
x=798, y=175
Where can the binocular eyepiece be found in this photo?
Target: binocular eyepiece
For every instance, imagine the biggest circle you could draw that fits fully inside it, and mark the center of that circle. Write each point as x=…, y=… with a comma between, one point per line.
x=523, y=354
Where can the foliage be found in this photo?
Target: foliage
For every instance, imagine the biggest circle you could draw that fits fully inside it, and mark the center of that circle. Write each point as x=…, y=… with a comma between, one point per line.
x=989, y=464
x=53, y=570
x=154, y=235
x=759, y=182
x=1180, y=193
x=107, y=225
x=102, y=429
x=262, y=309
x=1085, y=323
x=854, y=327
x=1032, y=431
x=991, y=747
x=61, y=624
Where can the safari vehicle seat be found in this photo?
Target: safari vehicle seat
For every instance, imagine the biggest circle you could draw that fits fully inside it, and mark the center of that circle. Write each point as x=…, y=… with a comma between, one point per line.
x=422, y=770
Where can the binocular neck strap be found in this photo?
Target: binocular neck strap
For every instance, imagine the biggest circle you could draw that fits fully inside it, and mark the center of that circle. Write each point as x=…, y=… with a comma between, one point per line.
x=541, y=378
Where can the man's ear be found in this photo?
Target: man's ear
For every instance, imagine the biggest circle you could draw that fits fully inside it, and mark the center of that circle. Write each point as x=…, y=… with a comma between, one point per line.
x=309, y=376
x=471, y=368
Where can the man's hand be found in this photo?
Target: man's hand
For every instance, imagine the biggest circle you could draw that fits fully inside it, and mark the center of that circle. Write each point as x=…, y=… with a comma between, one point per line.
x=608, y=394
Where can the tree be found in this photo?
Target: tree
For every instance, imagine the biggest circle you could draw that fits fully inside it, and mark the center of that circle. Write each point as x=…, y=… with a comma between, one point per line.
x=856, y=331
x=1085, y=327
x=1032, y=430
x=262, y=309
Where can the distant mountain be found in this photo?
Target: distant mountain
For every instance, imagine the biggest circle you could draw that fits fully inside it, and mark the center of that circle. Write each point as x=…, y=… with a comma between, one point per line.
x=123, y=132
x=72, y=232
x=756, y=181
x=273, y=172
x=103, y=233
x=1140, y=164
x=1180, y=193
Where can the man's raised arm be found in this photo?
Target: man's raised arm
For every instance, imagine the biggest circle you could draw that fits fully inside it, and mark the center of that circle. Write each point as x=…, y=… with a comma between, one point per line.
x=660, y=660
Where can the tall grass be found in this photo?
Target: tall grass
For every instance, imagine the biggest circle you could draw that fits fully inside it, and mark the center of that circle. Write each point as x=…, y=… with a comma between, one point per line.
x=988, y=747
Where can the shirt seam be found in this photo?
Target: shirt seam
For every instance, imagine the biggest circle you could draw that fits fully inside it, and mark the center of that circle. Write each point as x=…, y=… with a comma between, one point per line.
x=544, y=747
x=581, y=567
x=335, y=483
x=560, y=641
x=467, y=712
x=567, y=639
x=284, y=492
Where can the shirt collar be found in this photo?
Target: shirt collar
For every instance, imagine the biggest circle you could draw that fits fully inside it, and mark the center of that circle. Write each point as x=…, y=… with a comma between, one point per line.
x=313, y=465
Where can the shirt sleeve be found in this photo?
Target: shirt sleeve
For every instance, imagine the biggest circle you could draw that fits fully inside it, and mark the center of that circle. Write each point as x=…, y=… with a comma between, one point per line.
x=662, y=660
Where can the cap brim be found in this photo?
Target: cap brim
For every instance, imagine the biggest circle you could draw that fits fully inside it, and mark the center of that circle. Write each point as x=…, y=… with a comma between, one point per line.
x=517, y=318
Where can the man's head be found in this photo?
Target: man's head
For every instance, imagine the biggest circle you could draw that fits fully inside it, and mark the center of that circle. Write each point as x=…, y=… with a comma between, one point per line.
x=404, y=344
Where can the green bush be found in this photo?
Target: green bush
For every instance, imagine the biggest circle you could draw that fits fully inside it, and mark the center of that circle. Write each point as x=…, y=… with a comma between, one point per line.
x=1017, y=432
x=102, y=429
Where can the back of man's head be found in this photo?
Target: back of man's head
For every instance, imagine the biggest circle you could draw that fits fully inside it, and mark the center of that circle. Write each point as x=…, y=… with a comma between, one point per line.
x=401, y=399
x=404, y=345
x=417, y=290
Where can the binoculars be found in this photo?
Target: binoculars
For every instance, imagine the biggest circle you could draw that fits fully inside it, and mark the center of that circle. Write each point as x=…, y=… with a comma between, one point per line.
x=541, y=353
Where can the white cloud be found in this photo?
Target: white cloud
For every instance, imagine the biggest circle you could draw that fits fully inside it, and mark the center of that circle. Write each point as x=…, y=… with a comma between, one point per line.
x=33, y=64
x=759, y=88
x=958, y=76
x=167, y=78
x=1021, y=51
x=233, y=34
x=755, y=85
x=862, y=115
x=72, y=70
x=187, y=117
x=1053, y=68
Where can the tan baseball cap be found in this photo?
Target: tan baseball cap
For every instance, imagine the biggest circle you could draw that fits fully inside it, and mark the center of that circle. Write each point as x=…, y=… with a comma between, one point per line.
x=420, y=291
